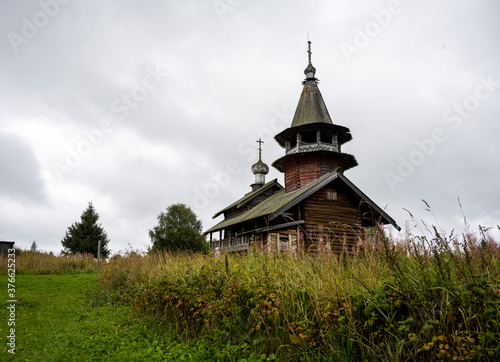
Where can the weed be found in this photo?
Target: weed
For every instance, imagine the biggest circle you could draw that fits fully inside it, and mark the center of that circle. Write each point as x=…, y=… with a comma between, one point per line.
x=424, y=298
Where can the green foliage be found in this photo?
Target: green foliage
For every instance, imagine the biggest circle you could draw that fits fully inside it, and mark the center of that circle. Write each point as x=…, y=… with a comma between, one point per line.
x=389, y=303
x=178, y=229
x=34, y=247
x=64, y=318
x=83, y=237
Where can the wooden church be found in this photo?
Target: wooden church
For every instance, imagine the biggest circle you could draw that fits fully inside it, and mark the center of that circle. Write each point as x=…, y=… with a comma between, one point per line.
x=318, y=209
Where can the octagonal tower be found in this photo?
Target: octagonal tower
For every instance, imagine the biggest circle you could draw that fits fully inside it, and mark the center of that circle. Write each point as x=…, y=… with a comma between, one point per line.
x=313, y=142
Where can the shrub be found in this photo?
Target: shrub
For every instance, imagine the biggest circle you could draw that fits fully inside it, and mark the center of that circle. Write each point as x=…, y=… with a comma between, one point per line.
x=417, y=299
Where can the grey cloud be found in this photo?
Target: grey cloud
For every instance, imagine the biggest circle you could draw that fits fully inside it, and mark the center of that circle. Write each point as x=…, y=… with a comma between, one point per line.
x=20, y=177
x=227, y=76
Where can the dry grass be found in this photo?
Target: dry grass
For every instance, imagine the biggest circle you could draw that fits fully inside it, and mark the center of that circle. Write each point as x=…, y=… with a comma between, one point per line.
x=34, y=262
x=434, y=297
x=410, y=299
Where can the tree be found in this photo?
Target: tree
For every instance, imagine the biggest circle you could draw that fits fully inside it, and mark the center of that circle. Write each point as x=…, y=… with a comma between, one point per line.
x=178, y=229
x=84, y=236
x=34, y=247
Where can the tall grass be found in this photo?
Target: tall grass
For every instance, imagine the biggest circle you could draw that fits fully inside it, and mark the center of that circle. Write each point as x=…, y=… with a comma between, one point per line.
x=35, y=262
x=418, y=298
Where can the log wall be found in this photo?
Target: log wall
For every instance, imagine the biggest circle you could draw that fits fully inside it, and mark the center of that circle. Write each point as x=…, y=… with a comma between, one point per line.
x=331, y=224
x=304, y=169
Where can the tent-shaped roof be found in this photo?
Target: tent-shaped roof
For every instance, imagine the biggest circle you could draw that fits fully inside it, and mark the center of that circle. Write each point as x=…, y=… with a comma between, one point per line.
x=311, y=107
x=311, y=111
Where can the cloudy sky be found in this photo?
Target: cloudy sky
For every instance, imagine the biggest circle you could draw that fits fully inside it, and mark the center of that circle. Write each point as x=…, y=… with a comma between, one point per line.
x=136, y=105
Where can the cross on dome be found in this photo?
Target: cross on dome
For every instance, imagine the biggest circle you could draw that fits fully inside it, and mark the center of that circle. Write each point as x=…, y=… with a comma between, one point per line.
x=260, y=142
x=310, y=71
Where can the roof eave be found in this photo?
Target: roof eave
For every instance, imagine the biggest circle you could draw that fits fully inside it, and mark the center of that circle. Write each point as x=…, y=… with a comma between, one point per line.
x=305, y=195
x=251, y=195
x=372, y=204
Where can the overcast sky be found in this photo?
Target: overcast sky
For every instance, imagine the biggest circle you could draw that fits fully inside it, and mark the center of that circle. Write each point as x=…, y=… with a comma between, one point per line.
x=137, y=105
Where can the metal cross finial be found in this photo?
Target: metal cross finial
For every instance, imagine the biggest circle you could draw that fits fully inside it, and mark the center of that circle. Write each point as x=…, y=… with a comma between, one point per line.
x=260, y=142
x=309, y=49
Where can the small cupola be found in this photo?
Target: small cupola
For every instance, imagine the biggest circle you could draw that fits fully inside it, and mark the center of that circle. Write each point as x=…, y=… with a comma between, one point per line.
x=310, y=71
x=260, y=170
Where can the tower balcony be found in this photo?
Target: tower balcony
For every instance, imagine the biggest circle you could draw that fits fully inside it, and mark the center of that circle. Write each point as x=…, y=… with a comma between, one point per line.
x=311, y=147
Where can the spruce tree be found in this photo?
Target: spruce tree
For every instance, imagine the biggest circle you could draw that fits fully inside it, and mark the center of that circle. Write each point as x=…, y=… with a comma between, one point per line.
x=84, y=236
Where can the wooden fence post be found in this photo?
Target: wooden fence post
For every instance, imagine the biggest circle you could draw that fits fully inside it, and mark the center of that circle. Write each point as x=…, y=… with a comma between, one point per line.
x=98, y=254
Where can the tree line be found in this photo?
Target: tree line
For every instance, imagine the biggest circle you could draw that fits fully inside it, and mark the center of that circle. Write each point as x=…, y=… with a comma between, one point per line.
x=178, y=229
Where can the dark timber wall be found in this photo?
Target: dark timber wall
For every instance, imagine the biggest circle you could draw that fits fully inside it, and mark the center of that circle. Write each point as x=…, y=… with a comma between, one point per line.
x=331, y=224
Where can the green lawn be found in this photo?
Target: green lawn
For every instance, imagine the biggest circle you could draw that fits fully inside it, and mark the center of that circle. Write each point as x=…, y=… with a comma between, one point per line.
x=60, y=318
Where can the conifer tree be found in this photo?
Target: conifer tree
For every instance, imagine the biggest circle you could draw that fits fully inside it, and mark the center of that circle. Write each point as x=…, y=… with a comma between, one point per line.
x=84, y=236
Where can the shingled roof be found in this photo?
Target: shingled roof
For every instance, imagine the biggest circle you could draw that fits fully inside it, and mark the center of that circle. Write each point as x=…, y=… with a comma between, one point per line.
x=250, y=196
x=311, y=107
x=312, y=112
x=280, y=202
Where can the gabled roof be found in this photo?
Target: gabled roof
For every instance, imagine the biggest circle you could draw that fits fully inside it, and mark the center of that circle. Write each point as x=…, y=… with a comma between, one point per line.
x=265, y=208
x=250, y=196
x=383, y=215
x=280, y=202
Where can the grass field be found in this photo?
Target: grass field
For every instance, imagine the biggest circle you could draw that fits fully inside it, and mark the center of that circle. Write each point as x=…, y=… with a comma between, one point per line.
x=433, y=298
x=422, y=299
x=64, y=318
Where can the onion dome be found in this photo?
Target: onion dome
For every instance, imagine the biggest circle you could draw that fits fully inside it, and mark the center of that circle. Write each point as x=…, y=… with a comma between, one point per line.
x=310, y=71
x=260, y=168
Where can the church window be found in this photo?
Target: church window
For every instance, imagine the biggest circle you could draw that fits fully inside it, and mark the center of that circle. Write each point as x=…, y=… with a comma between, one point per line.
x=331, y=195
x=309, y=137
